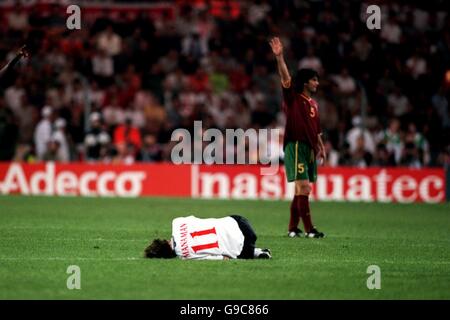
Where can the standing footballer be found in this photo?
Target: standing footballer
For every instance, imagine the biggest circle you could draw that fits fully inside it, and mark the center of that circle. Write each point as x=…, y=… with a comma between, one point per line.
x=302, y=139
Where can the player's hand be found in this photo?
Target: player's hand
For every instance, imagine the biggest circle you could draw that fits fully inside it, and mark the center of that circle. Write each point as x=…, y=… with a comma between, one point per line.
x=322, y=156
x=277, y=46
x=23, y=51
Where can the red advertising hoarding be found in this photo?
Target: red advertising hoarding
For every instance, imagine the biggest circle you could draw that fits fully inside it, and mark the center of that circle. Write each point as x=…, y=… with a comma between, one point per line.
x=219, y=181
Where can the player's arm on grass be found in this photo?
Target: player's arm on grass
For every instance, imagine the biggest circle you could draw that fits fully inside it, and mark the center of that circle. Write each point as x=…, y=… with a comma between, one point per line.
x=277, y=49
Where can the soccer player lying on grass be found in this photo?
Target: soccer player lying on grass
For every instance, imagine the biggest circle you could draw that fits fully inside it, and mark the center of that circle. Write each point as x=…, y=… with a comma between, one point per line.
x=302, y=139
x=231, y=237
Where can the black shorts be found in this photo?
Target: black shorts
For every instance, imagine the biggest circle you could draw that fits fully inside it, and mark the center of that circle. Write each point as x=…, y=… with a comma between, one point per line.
x=248, y=251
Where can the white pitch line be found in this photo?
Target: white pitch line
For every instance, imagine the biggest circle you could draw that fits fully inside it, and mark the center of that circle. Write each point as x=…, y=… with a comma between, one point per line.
x=70, y=239
x=138, y=258
x=395, y=262
x=67, y=259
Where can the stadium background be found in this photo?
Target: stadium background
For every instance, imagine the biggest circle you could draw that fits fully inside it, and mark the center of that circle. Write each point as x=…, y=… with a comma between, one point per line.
x=162, y=65
x=134, y=72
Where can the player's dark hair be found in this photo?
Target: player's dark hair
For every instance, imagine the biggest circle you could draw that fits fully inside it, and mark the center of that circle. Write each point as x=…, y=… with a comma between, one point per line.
x=159, y=248
x=302, y=77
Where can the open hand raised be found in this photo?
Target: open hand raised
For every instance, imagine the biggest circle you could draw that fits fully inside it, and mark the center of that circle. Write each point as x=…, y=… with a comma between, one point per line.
x=23, y=51
x=276, y=45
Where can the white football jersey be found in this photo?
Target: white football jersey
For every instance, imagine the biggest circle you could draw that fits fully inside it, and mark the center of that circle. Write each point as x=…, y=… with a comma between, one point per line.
x=195, y=238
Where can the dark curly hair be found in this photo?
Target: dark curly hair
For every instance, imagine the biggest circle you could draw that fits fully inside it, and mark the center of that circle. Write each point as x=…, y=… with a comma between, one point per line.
x=302, y=77
x=159, y=248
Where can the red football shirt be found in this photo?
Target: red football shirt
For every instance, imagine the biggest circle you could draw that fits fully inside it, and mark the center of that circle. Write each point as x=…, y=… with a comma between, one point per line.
x=302, y=118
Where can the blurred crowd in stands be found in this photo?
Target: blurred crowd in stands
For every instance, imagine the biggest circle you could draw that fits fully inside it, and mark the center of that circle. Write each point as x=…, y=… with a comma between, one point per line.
x=115, y=90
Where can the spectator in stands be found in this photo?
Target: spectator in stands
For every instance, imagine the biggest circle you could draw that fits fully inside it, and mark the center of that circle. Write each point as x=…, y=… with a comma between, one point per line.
x=199, y=81
x=420, y=143
x=127, y=140
x=51, y=151
x=410, y=156
x=26, y=117
x=311, y=61
x=17, y=20
x=398, y=103
x=151, y=150
x=109, y=42
x=345, y=156
x=239, y=79
x=440, y=104
x=14, y=95
x=43, y=132
x=61, y=137
x=360, y=156
x=345, y=83
x=332, y=158
x=444, y=159
x=103, y=68
x=97, y=140
x=194, y=46
x=113, y=112
x=391, y=31
x=362, y=49
x=353, y=136
x=9, y=133
x=416, y=66
x=382, y=157
x=257, y=12
x=175, y=82
x=169, y=62
x=393, y=139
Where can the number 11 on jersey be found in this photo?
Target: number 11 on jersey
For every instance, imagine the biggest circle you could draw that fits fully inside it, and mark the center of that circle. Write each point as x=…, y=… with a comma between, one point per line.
x=206, y=245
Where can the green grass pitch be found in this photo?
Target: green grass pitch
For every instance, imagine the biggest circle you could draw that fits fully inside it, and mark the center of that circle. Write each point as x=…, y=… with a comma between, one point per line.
x=41, y=236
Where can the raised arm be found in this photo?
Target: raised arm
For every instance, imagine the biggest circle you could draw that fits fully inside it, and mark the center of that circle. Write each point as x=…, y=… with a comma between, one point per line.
x=22, y=52
x=277, y=49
